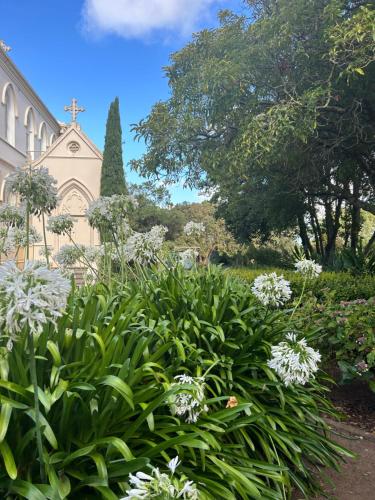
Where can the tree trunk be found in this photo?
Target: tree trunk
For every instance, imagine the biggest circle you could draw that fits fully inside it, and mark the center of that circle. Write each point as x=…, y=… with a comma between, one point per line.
x=332, y=228
x=316, y=236
x=304, y=235
x=356, y=216
x=370, y=243
x=316, y=228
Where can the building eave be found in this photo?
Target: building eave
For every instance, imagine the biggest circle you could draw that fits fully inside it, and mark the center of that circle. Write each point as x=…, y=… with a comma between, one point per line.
x=16, y=76
x=69, y=129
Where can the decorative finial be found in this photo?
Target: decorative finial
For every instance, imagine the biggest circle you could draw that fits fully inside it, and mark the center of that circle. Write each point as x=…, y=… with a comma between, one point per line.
x=4, y=47
x=74, y=110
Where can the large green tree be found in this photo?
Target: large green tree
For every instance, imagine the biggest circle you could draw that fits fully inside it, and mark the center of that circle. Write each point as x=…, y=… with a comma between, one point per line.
x=275, y=109
x=113, y=176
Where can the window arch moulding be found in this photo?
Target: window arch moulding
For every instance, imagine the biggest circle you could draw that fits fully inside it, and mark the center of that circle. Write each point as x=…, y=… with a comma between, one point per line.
x=75, y=198
x=9, y=86
x=10, y=102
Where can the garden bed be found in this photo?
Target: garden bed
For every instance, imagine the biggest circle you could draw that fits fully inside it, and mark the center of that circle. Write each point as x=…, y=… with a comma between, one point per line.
x=357, y=402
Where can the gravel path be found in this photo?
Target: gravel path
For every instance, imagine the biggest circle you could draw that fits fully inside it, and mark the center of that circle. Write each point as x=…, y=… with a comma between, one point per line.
x=356, y=480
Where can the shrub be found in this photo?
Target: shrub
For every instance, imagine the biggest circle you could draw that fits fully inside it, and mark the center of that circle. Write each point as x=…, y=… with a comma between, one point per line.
x=341, y=286
x=107, y=385
x=345, y=333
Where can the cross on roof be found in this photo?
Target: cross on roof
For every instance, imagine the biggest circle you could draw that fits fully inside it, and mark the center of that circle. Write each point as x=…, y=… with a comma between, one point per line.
x=74, y=109
x=4, y=47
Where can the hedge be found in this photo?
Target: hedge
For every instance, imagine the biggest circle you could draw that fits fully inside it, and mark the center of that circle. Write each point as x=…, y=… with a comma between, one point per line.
x=343, y=286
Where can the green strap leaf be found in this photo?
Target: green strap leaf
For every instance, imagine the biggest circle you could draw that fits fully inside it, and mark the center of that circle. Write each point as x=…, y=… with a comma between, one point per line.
x=120, y=386
x=26, y=490
x=8, y=458
x=47, y=429
x=117, y=443
x=5, y=414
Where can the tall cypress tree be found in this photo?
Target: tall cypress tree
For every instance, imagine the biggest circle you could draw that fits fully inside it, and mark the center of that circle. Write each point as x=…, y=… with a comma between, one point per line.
x=113, y=176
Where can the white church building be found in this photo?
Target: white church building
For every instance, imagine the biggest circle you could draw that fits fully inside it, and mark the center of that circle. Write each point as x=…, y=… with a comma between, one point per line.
x=30, y=134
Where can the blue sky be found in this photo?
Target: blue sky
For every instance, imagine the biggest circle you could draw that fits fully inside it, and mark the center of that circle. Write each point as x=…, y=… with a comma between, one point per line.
x=95, y=50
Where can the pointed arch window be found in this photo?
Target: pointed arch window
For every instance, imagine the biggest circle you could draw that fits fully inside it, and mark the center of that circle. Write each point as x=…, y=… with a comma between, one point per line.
x=43, y=138
x=10, y=115
x=30, y=133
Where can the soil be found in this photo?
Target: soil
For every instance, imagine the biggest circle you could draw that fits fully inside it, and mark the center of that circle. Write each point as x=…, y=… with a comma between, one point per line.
x=356, y=479
x=357, y=402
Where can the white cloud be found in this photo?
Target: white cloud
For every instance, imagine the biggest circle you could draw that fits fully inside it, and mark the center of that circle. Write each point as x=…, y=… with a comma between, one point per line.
x=141, y=18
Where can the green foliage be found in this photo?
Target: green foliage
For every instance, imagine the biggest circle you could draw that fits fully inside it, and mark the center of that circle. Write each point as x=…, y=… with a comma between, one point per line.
x=216, y=239
x=112, y=176
x=353, y=42
x=260, y=110
x=345, y=334
x=358, y=262
x=154, y=209
x=341, y=286
x=105, y=379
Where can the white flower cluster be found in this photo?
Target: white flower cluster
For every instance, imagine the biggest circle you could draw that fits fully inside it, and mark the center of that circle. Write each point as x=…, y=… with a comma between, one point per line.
x=35, y=186
x=194, y=228
x=45, y=252
x=11, y=215
x=189, y=403
x=161, y=485
x=144, y=247
x=92, y=254
x=187, y=258
x=109, y=211
x=294, y=361
x=6, y=244
x=308, y=268
x=60, y=224
x=67, y=256
x=30, y=297
x=16, y=237
x=271, y=289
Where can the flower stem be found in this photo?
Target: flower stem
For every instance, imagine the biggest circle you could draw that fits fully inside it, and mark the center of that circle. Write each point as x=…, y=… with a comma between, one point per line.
x=84, y=258
x=27, y=230
x=45, y=239
x=34, y=380
x=300, y=298
x=28, y=210
x=167, y=269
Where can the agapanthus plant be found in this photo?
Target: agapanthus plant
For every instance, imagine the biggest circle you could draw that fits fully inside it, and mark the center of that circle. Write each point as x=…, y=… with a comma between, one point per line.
x=13, y=238
x=189, y=403
x=60, y=224
x=11, y=215
x=188, y=258
x=294, y=361
x=109, y=211
x=45, y=252
x=19, y=237
x=162, y=486
x=70, y=255
x=271, y=289
x=36, y=187
x=30, y=297
x=6, y=243
x=67, y=256
x=308, y=268
x=143, y=248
